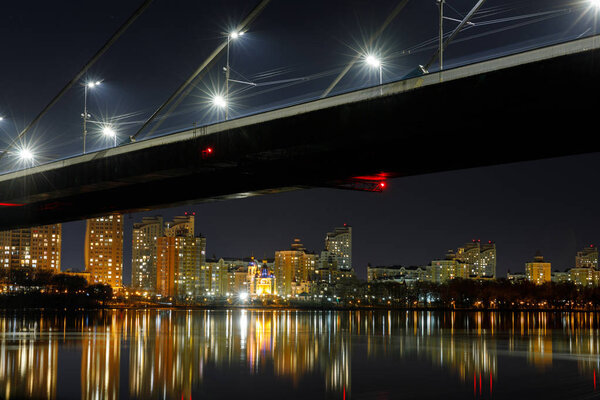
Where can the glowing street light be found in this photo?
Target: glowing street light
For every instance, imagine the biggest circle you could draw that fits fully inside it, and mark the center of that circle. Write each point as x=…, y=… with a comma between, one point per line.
x=374, y=62
x=109, y=132
x=595, y=3
x=85, y=115
x=233, y=35
x=26, y=155
x=219, y=101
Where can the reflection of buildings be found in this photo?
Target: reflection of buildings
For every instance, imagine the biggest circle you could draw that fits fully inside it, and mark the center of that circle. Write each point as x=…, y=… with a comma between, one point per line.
x=101, y=361
x=170, y=352
x=28, y=365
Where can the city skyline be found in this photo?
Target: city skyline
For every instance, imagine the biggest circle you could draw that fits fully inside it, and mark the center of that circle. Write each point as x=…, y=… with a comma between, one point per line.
x=540, y=205
x=552, y=220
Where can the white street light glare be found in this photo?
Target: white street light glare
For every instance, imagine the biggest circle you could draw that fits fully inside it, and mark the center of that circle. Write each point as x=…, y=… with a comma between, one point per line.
x=373, y=61
x=595, y=3
x=108, y=131
x=219, y=101
x=26, y=155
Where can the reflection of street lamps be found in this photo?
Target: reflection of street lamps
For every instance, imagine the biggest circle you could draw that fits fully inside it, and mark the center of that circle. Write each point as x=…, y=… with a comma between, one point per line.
x=232, y=35
x=85, y=114
x=110, y=133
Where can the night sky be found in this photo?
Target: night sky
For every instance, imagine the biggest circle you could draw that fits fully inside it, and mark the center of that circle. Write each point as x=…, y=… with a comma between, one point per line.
x=293, y=51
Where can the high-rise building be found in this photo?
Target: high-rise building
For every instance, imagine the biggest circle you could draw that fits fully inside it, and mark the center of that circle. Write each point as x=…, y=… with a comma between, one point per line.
x=586, y=271
x=180, y=259
x=37, y=247
x=587, y=258
x=178, y=266
x=339, y=244
x=181, y=226
x=481, y=258
x=143, y=252
x=449, y=268
x=293, y=267
x=104, y=250
x=538, y=271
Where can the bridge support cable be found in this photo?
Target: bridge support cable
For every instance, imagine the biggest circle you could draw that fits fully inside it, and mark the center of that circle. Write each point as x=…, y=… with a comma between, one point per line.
x=77, y=77
x=388, y=20
x=184, y=88
x=456, y=30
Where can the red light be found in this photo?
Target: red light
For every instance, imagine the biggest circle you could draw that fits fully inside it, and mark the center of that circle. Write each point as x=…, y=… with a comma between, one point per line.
x=10, y=205
x=382, y=185
x=208, y=151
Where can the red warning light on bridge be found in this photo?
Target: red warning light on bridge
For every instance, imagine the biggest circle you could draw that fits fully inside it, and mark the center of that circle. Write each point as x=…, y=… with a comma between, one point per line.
x=207, y=152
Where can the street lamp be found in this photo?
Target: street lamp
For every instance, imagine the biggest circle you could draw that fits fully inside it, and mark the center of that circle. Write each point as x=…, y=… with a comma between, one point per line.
x=374, y=62
x=85, y=115
x=110, y=133
x=26, y=156
x=595, y=3
x=233, y=35
x=219, y=101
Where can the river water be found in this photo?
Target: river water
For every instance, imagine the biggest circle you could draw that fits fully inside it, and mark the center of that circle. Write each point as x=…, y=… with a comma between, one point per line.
x=258, y=354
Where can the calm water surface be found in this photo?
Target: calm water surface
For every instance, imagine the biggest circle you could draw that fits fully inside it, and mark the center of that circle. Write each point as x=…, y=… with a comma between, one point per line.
x=161, y=354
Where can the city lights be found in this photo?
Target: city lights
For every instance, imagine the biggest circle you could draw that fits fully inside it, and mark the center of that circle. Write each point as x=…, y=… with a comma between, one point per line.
x=376, y=63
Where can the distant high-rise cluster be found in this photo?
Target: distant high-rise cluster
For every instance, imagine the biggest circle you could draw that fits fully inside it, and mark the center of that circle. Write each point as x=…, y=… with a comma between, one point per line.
x=167, y=259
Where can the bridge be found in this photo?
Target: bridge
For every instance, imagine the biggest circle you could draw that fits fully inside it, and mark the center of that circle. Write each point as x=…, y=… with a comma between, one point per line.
x=520, y=107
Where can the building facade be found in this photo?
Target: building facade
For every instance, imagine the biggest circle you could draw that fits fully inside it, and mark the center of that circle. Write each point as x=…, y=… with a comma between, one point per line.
x=37, y=247
x=180, y=260
x=144, y=254
x=292, y=267
x=481, y=258
x=104, y=250
x=339, y=245
x=538, y=271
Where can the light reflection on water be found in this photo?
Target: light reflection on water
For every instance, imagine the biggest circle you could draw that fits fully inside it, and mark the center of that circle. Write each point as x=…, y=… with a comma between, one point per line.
x=298, y=354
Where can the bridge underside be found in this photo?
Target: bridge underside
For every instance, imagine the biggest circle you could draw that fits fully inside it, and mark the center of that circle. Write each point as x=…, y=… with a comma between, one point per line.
x=533, y=111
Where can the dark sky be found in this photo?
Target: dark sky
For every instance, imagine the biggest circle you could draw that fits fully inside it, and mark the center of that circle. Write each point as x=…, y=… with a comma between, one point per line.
x=547, y=205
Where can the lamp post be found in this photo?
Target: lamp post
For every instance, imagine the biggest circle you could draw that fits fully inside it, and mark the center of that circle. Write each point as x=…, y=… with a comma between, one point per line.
x=232, y=35
x=85, y=114
x=441, y=50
